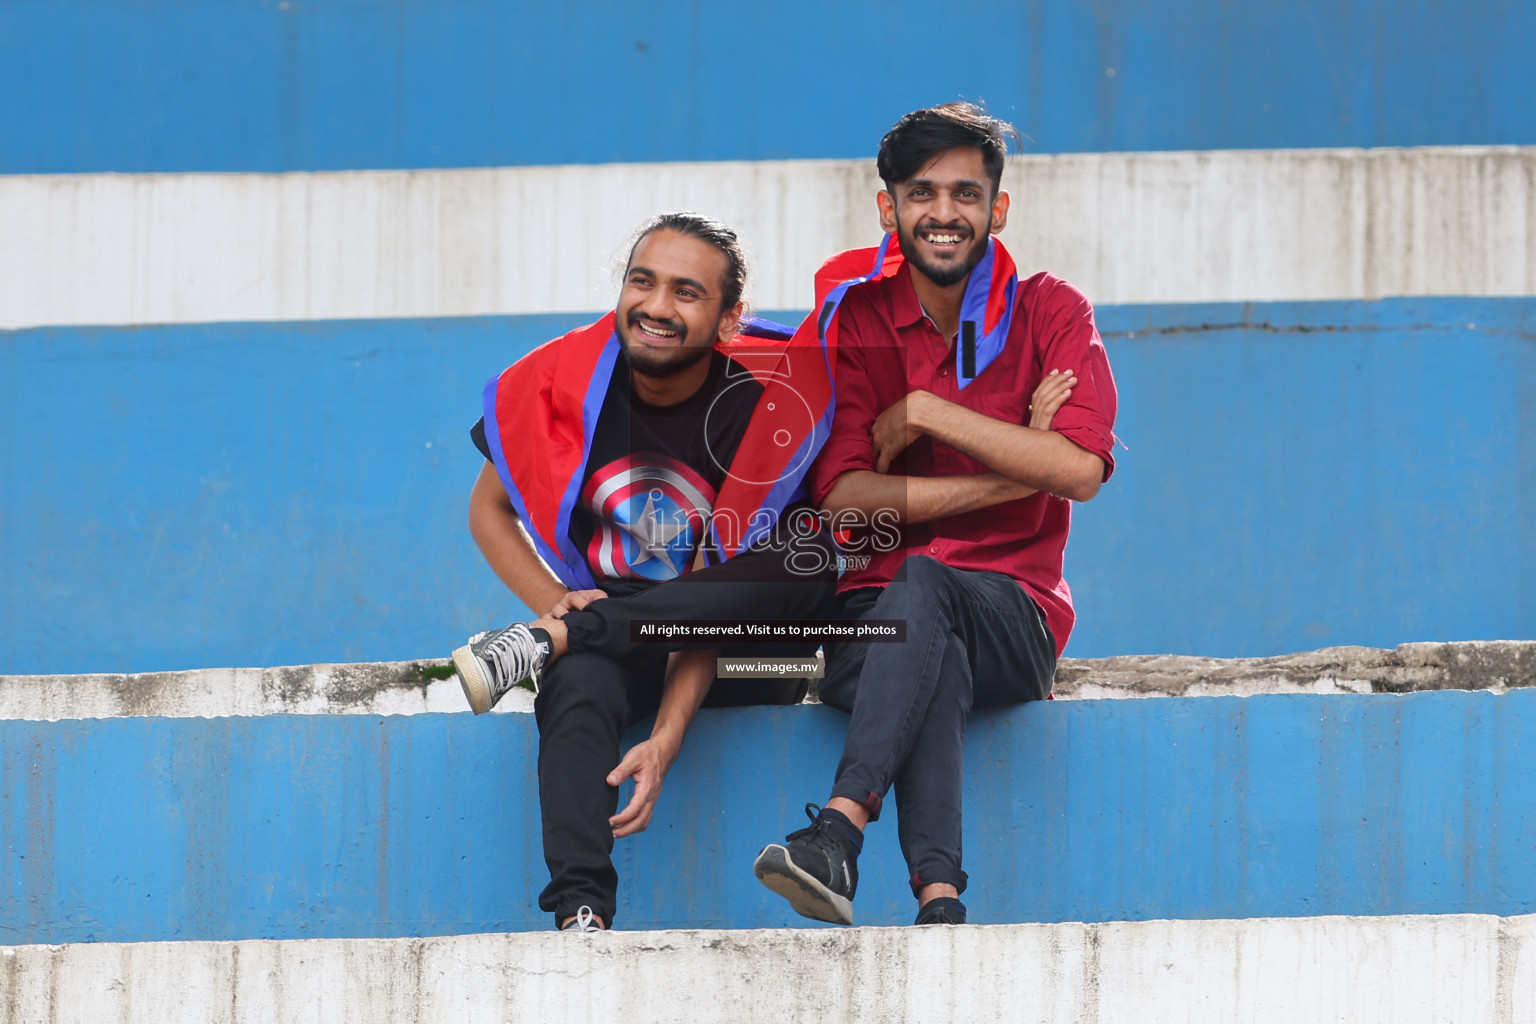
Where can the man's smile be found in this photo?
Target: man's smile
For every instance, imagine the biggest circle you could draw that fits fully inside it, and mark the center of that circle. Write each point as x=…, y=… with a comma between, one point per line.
x=947, y=239
x=655, y=332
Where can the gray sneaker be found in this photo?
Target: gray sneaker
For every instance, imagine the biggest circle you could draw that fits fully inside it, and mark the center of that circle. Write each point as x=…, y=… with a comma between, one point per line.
x=584, y=921
x=495, y=661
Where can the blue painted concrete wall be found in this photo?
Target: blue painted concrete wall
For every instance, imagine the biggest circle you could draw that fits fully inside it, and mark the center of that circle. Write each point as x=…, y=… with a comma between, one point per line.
x=1298, y=475
x=1301, y=475
x=203, y=85
x=284, y=826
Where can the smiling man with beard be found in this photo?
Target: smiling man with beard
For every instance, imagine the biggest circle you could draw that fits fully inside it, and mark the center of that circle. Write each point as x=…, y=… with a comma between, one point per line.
x=938, y=346
x=624, y=462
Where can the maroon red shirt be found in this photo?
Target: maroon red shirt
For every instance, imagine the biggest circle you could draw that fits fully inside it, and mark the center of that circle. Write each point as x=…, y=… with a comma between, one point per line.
x=887, y=347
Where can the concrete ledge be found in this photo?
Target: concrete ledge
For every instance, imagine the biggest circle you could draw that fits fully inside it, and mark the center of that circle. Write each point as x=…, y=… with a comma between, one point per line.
x=1402, y=970
x=142, y=829
x=416, y=687
x=166, y=549
x=1495, y=665
x=367, y=688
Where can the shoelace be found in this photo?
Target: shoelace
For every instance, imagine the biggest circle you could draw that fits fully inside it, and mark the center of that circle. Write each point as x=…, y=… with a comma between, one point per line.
x=816, y=831
x=584, y=921
x=514, y=662
x=819, y=835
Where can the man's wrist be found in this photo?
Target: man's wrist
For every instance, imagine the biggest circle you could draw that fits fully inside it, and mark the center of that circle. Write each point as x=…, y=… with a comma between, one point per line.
x=668, y=740
x=550, y=598
x=939, y=416
x=921, y=406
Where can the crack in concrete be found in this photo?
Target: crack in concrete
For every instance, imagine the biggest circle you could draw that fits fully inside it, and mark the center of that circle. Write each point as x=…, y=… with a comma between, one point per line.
x=1266, y=327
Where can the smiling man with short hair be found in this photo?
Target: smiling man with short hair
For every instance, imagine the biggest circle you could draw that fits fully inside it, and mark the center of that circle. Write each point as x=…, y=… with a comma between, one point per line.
x=938, y=347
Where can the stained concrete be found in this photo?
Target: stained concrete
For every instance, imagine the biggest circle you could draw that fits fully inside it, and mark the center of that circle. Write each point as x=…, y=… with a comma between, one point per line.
x=413, y=687
x=1209, y=226
x=1495, y=665
x=378, y=688
x=1394, y=970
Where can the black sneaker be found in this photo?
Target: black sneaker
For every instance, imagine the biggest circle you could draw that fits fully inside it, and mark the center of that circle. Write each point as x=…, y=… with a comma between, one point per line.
x=815, y=870
x=941, y=910
x=494, y=662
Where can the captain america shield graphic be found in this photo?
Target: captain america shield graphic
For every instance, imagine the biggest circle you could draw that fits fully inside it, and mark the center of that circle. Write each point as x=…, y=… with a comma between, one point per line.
x=651, y=511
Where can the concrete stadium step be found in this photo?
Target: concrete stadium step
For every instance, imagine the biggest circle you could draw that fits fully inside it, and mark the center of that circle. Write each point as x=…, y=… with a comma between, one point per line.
x=140, y=827
x=1220, y=226
x=1392, y=970
x=245, y=543
x=415, y=687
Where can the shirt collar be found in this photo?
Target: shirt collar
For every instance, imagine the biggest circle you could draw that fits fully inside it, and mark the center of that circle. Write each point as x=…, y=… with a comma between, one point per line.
x=905, y=309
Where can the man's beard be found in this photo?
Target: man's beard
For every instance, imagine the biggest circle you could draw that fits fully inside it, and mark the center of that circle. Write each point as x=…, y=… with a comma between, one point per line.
x=650, y=361
x=944, y=274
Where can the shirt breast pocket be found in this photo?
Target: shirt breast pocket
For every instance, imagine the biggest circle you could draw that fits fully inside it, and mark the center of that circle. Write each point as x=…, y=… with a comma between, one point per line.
x=1010, y=408
x=1002, y=407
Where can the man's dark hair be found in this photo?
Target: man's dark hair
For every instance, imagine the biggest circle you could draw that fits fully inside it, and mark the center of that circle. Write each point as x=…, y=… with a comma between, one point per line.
x=706, y=229
x=914, y=139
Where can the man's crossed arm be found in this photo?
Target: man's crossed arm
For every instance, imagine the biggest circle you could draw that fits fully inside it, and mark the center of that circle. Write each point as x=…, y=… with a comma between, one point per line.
x=1023, y=459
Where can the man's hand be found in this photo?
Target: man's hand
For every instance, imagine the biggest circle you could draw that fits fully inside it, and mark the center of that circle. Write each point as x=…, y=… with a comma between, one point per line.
x=894, y=429
x=1049, y=397
x=647, y=763
x=573, y=600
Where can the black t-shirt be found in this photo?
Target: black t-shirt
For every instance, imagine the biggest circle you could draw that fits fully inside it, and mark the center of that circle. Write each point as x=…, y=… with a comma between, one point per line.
x=654, y=472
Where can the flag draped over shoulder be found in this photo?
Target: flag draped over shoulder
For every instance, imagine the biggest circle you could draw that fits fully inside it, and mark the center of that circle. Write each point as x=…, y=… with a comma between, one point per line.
x=541, y=412
x=986, y=309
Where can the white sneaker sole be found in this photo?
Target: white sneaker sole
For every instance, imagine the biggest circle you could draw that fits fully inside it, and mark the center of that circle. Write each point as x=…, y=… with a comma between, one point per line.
x=808, y=897
x=477, y=687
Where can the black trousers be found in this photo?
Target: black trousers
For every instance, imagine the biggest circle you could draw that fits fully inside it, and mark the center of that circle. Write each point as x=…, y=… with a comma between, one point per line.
x=974, y=640
x=607, y=682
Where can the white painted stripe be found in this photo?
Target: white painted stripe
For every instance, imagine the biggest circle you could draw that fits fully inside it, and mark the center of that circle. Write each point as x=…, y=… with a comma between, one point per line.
x=1126, y=227
x=1402, y=970
x=405, y=688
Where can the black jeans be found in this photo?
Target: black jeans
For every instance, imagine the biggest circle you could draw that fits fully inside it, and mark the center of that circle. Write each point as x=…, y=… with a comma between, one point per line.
x=606, y=682
x=974, y=639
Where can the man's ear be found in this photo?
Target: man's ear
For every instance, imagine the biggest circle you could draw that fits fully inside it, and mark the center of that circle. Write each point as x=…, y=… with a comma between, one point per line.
x=887, y=206
x=730, y=323
x=999, y=212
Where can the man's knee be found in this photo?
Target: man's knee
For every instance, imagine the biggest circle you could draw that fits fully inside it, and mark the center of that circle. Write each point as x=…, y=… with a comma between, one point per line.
x=582, y=680
x=925, y=571
x=921, y=582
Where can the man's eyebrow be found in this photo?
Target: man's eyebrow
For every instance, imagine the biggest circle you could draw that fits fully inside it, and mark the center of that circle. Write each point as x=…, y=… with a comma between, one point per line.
x=687, y=282
x=929, y=183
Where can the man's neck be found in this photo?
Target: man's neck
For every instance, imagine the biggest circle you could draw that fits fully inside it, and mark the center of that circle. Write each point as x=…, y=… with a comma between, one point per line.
x=671, y=390
x=942, y=304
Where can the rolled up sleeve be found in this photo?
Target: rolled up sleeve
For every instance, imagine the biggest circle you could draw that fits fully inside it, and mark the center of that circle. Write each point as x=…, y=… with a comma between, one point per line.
x=1072, y=342
x=849, y=445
